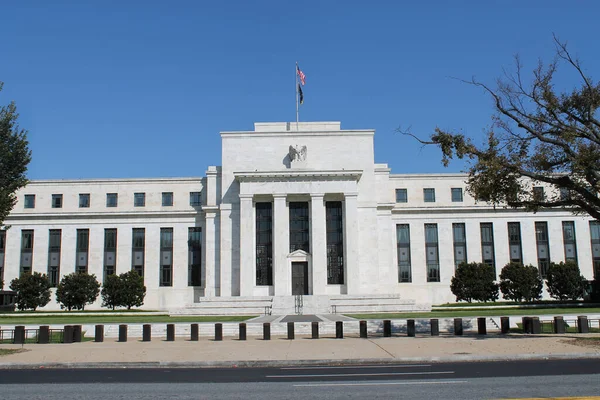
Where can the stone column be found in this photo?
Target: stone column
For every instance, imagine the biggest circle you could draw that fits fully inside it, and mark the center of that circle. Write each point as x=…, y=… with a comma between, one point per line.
x=352, y=273
x=282, y=276
x=209, y=253
x=247, y=275
x=318, y=245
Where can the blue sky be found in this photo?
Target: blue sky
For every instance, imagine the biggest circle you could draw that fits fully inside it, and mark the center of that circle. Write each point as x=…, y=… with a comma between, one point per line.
x=142, y=88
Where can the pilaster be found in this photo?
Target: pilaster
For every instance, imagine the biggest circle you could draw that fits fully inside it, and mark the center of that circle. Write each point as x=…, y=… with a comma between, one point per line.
x=210, y=253
x=352, y=273
x=247, y=267
x=318, y=243
x=281, y=245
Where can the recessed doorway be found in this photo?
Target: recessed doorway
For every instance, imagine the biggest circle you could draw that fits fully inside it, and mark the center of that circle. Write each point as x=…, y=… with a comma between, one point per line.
x=299, y=278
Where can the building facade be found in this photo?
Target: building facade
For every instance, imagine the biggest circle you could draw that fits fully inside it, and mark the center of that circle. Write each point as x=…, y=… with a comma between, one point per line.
x=298, y=218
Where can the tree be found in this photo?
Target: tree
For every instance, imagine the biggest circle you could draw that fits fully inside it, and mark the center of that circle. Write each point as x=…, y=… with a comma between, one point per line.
x=33, y=291
x=111, y=292
x=520, y=282
x=76, y=290
x=474, y=281
x=14, y=158
x=540, y=137
x=133, y=289
x=565, y=282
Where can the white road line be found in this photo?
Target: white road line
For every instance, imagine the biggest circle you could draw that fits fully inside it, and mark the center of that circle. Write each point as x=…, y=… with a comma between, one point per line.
x=374, y=374
x=380, y=383
x=361, y=366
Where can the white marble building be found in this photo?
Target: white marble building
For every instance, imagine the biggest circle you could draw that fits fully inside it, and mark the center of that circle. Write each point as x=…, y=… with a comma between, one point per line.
x=298, y=218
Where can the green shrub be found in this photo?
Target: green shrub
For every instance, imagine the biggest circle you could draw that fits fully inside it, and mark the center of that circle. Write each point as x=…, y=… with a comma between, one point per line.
x=125, y=290
x=76, y=290
x=111, y=292
x=33, y=291
x=565, y=282
x=520, y=282
x=474, y=281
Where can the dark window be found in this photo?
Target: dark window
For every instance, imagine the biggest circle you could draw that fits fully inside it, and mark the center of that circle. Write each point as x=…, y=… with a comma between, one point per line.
x=569, y=241
x=139, y=199
x=401, y=196
x=264, y=243
x=54, y=256
x=29, y=201
x=112, y=199
x=138, y=250
x=194, y=256
x=110, y=252
x=84, y=200
x=299, y=227
x=83, y=239
x=403, y=248
x=432, y=253
x=167, y=199
x=335, y=242
x=460, y=244
x=195, y=199
x=487, y=244
x=26, y=251
x=543, y=251
x=57, y=200
x=514, y=242
x=538, y=193
x=565, y=194
x=595, y=236
x=166, y=257
x=429, y=195
x=2, y=251
x=457, y=195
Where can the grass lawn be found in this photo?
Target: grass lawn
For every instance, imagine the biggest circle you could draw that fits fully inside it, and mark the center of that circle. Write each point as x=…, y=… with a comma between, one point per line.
x=543, y=303
x=65, y=319
x=450, y=313
x=5, y=352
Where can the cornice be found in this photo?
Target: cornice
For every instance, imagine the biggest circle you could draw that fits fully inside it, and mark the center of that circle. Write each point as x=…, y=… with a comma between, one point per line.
x=298, y=175
x=103, y=215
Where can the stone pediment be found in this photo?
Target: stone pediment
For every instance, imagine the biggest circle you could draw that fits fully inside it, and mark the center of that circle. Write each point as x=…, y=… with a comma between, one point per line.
x=299, y=254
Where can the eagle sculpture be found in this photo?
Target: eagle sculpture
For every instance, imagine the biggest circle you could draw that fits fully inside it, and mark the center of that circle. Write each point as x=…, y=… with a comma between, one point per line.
x=297, y=153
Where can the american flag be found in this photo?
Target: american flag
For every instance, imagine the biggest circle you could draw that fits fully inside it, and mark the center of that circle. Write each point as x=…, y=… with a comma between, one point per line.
x=301, y=75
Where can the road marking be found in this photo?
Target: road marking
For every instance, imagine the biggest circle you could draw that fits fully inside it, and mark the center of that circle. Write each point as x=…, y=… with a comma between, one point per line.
x=381, y=383
x=373, y=374
x=362, y=366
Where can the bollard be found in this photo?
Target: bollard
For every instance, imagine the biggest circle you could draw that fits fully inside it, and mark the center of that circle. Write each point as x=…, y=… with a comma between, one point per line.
x=315, y=329
x=99, y=334
x=19, y=336
x=77, y=333
x=582, y=324
x=194, y=333
x=290, y=326
x=218, y=332
x=435, y=327
x=527, y=324
x=481, y=326
x=363, y=329
x=504, y=325
x=387, y=328
x=68, y=334
x=146, y=333
x=122, y=333
x=170, y=332
x=410, y=328
x=536, y=327
x=559, y=325
x=44, y=335
x=339, y=330
x=458, y=326
x=242, y=329
x=266, y=331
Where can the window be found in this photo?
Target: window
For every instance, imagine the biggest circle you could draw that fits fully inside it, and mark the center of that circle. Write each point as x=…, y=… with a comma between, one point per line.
x=110, y=252
x=195, y=199
x=595, y=236
x=401, y=196
x=54, y=256
x=403, y=248
x=429, y=195
x=514, y=242
x=57, y=200
x=543, y=252
x=457, y=195
x=264, y=244
x=83, y=239
x=29, y=201
x=460, y=244
x=84, y=200
x=432, y=253
x=335, y=242
x=26, y=251
x=2, y=251
x=487, y=244
x=194, y=256
x=112, y=199
x=139, y=199
x=538, y=193
x=565, y=194
x=167, y=199
x=166, y=257
x=569, y=241
x=299, y=227
x=138, y=247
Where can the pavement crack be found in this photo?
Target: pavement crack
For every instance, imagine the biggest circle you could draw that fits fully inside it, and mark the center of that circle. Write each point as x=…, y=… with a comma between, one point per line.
x=391, y=355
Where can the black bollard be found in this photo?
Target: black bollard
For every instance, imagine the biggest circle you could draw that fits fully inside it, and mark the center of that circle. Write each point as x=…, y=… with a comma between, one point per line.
x=582, y=324
x=99, y=334
x=315, y=329
x=387, y=328
x=170, y=332
x=218, y=332
x=44, y=335
x=146, y=333
x=559, y=325
x=68, y=334
x=242, y=329
x=122, y=333
x=458, y=326
x=481, y=326
x=290, y=326
x=435, y=327
x=504, y=325
x=194, y=333
x=410, y=328
x=339, y=330
x=77, y=333
x=266, y=331
x=363, y=329
x=536, y=327
x=19, y=336
x=527, y=324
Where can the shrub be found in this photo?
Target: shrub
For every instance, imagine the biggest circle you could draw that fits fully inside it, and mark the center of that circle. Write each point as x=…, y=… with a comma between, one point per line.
x=474, y=281
x=565, y=282
x=111, y=292
x=33, y=291
x=125, y=290
x=520, y=282
x=76, y=290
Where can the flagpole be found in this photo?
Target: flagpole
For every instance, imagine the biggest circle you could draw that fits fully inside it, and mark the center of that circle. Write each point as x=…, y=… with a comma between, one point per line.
x=297, y=106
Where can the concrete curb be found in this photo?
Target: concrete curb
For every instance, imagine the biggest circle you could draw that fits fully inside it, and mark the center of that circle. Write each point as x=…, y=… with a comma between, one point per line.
x=300, y=363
